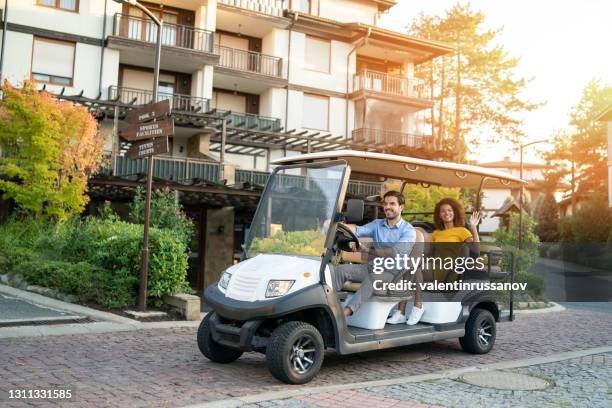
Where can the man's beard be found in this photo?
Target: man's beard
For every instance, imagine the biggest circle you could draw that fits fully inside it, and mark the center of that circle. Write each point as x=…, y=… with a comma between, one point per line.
x=392, y=216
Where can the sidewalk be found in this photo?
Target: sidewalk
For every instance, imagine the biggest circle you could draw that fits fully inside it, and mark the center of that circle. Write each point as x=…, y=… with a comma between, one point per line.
x=573, y=379
x=48, y=309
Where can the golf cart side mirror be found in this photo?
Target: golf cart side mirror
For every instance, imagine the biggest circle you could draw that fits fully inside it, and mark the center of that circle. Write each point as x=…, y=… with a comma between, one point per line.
x=354, y=211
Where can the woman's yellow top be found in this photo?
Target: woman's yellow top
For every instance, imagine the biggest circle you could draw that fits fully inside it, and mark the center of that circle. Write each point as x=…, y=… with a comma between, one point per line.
x=455, y=234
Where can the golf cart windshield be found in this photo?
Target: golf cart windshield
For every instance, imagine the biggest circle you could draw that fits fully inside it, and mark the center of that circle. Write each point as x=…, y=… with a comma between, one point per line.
x=295, y=211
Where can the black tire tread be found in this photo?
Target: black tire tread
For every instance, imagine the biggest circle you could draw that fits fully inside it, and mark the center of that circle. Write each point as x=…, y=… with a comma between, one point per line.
x=275, y=356
x=469, y=342
x=211, y=350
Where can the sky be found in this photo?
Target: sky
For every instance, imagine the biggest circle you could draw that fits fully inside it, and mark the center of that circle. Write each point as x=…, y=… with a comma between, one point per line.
x=562, y=45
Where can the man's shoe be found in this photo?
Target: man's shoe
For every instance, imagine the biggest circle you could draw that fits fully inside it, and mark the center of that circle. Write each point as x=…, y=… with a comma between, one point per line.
x=415, y=315
x=396, y=318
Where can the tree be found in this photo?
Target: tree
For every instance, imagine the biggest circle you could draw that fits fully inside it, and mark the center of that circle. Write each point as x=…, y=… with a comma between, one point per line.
x=476, y=90
x=547, y=210
x=584, y=141
x=50, y=149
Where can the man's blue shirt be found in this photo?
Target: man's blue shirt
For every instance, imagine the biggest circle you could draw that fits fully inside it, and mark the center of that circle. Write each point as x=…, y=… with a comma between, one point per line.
x=385, y=236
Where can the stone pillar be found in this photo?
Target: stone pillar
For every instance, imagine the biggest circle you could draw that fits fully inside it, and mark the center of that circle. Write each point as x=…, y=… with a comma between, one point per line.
x=219, y=243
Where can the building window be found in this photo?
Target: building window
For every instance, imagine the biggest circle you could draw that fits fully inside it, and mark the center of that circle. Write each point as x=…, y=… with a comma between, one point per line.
x=70, y=5
x=303, y=6
x=315, y=112
x=317, y=54
x=53, y=61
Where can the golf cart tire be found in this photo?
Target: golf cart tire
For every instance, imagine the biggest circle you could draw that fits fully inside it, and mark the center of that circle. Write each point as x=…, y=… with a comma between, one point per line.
x=280, y=349
x=471, y=342
x=212, y=350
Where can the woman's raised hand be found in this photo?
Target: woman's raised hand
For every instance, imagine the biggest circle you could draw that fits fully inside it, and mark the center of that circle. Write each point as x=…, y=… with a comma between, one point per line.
x=474, y=219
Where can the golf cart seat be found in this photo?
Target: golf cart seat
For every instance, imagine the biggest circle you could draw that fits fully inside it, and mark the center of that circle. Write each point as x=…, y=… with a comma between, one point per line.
x=373, y=314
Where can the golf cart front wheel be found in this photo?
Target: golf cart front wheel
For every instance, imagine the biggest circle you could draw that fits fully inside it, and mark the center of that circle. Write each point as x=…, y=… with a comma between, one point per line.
x=212, y=350
x=480, y=332
x=295, y=352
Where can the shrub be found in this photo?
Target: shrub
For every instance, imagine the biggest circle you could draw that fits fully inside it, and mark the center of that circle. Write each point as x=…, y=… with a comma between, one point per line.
x=106, y=253
x=166, y=213
x=87, y=282
x=535, y=284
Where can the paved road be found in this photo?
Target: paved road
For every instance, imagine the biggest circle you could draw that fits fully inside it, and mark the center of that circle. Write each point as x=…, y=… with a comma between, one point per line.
x=159, y=368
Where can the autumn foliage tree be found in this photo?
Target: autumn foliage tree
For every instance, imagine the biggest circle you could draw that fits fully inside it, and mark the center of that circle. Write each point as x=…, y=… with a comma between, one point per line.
x=49, y=150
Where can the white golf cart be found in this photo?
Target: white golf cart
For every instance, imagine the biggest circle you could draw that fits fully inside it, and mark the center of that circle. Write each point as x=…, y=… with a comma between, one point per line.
x=281, y=299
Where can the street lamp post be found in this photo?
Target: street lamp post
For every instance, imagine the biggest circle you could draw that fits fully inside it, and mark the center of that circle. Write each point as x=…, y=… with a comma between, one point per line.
x=522, y=146
x=144, y=267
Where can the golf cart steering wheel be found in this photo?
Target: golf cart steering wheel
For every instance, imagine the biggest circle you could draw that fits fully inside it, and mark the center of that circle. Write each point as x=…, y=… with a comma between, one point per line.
x=345, y=236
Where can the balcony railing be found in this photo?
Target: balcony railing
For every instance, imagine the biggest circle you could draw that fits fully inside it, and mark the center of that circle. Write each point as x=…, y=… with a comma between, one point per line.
x=165, y=168
x=178, y=102
x=272, y=7
x=173, y=35
x=391, y=138
x=249, y=61
x=250, y=121
x=358, y=188
x=390, y=84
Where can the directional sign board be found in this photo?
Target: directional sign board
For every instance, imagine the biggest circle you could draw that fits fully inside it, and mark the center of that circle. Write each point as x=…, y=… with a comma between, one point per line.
x=149, y=112
x=149, y=130
x=147, y=148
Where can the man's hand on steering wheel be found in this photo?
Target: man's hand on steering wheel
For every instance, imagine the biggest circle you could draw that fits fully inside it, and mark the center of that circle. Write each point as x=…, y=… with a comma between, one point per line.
x=348, y=237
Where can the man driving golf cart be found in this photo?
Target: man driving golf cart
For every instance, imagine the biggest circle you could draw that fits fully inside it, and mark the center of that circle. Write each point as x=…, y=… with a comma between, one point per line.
x=391, y=236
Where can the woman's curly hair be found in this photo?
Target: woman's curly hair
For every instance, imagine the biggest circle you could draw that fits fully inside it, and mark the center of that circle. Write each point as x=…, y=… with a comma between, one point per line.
x=459, y=213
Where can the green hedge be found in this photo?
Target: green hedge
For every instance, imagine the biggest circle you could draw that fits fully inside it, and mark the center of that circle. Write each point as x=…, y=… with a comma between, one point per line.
x=94, y=259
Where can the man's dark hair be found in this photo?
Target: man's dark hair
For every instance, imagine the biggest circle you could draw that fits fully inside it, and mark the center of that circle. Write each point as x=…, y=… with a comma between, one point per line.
x=396, y=194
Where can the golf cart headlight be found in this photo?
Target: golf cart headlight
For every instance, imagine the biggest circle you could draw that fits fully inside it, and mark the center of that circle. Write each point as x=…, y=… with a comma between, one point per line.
x=225, y=278
x=278, y=287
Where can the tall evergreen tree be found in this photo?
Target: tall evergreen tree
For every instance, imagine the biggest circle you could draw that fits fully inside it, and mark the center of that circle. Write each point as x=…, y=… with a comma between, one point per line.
x=476, y=90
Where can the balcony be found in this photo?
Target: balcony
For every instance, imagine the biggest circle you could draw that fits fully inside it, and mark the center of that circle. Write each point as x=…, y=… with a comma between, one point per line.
x=250, y=121
x=184, y=48
x=178, y=102
x=356, y=188
x=249, y=61
x=391, y=138
x=165, y=168
x=391, y=85
x=271, y=7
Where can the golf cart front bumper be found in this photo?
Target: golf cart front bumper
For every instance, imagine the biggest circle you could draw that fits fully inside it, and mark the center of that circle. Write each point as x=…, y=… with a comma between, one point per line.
x=232, y=336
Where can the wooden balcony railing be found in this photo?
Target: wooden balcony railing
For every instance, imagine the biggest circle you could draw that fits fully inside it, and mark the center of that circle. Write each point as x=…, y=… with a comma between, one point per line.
x=174, y=35
x=249, y=61
x=178, y=102
x=390, y=84
x=391, y=138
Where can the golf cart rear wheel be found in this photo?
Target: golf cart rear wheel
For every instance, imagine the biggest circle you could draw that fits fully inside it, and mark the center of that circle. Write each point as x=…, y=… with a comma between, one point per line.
x=479, y=332
x=212, y=350
x=295, y=352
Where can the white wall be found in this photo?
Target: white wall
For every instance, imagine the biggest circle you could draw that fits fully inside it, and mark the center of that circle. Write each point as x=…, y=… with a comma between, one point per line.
x=335, y=80
x=87, y=22
x=348, y=11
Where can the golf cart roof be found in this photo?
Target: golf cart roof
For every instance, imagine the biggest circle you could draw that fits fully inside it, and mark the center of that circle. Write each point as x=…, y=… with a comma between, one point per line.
x=411, y=169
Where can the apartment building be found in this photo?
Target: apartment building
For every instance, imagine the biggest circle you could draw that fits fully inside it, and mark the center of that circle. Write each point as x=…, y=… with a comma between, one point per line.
x=248, y=81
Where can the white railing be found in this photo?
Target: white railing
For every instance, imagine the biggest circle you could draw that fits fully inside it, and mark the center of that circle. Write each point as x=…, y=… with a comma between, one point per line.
x=272, y=7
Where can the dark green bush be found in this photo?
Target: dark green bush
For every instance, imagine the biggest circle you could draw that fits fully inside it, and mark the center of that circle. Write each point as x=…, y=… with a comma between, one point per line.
x=107, y=252
x=535, y=284
x=85, y=281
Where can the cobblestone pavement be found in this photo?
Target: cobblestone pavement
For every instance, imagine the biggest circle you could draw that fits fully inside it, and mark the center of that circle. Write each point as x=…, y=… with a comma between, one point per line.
x=579, y=382
x=160, y=368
